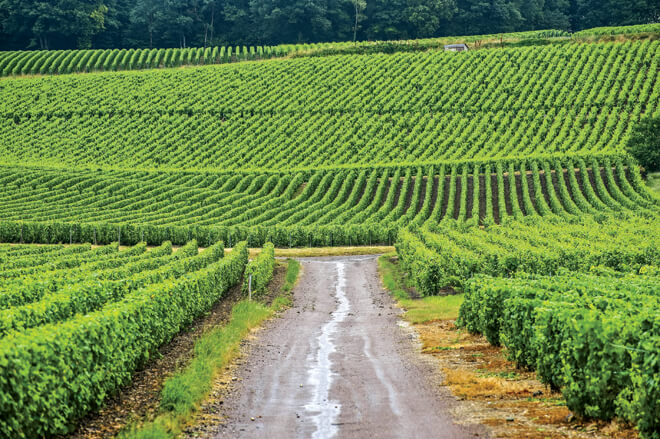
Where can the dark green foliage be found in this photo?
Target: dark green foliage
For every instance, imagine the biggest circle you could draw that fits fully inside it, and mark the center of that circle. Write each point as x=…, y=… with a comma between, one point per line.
x=592, y=336
x=256, y=236
x=63, y=370
x=201, y=23
x=644, y=143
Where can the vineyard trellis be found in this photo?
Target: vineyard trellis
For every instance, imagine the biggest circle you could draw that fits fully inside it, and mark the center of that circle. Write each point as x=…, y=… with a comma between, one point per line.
x=325, y=207
x=403, y=108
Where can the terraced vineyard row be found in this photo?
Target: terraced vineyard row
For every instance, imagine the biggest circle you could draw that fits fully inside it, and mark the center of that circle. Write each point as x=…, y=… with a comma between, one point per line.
x=442, y=255
x=574, y=299
x=76, y=61
x=403, y=108
x=595, y=337
x=653, y=28
x=85, y=319
x=48, y=62
x=359, y=206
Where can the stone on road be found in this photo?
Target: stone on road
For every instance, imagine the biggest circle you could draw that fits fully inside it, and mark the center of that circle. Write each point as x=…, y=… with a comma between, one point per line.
x=338, y=364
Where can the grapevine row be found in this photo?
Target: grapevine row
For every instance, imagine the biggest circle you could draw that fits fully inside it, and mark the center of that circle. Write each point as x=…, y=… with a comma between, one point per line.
x=107, y=329
x=325, y=207
x=379, y=109
x=594, y=337
x=78, y=61
x=442, y=255
x=45, y=62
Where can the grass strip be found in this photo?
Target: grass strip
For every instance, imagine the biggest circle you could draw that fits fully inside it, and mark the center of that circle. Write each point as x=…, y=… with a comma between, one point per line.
x=421, y=310
x=183, y=393
x=308, y=252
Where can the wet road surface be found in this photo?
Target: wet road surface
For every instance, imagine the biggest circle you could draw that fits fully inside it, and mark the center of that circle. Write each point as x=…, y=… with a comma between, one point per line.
x=338, y=364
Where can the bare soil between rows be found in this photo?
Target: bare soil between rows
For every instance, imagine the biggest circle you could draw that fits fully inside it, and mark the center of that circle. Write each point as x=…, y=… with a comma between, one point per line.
x=493, y=392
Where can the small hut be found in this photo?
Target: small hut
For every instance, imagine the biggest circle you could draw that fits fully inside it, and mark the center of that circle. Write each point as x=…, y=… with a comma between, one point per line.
x=456, y=48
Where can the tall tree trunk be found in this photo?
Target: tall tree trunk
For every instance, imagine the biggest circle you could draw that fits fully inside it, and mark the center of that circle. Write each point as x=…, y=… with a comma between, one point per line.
x=212, y=21
x=355, y=2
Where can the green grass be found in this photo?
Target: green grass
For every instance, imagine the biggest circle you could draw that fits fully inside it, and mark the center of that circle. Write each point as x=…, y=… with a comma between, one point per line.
x=417, y=310
x=187, y=389
x=292, y=270
x=432, y=308
x=307, y=252
x=284, y=300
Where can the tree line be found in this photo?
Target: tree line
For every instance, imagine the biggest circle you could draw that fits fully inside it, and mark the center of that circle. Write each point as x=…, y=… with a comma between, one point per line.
x=69, y=24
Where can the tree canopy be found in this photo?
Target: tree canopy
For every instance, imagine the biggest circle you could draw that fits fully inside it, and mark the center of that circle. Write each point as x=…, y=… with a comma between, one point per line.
x=66, y=24
x=644, y=144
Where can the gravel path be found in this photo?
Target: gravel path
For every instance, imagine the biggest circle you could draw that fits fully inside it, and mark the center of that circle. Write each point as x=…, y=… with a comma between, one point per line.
x=338, y=364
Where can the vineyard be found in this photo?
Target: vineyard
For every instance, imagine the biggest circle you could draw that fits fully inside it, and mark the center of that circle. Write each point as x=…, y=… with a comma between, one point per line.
x=595, y=337
x=317, y=208
x=45, y=62
x=500, y=173
x=72, y=311
x=51, y=62
x=575, y=300
x=425, y=107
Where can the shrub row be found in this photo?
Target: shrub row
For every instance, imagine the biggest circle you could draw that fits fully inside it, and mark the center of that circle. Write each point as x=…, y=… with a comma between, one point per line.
x=256, y=236
x=85, y=296
x=448, y=254
x=594, y=338
x=261, y=270
x=53, y=375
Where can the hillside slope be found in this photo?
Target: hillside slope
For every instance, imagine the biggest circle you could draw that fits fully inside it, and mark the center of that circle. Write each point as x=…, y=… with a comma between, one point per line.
x=414, y=108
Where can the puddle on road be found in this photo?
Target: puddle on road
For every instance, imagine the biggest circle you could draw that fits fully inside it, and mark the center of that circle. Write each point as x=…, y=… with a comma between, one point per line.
x=324, y=412
x=380, y=374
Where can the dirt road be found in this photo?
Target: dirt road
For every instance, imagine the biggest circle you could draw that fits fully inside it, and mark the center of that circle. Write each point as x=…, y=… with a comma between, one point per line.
x=338, y=364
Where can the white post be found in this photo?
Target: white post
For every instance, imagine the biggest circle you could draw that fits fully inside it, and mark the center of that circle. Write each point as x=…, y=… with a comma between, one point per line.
x=250, y=287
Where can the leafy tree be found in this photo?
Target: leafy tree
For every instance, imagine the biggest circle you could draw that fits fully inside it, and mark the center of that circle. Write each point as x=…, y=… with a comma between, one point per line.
x=425, y=16
x=59, y=24
x=55, y=21
x=395, y=19
x=147, y=14
x=485, y=16
x=293, y=20
x=360, y=6
x=644, y=144
x=594, y=13
x=209, y=10
x=117, y=25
